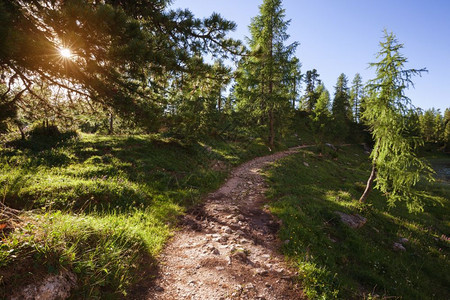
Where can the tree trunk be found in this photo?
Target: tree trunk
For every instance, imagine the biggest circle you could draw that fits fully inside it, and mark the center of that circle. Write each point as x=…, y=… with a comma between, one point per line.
x=22, y=134
x=295, y=89
x=272, y=131
x=369, y=185
x=271, y=120
x=111, y=127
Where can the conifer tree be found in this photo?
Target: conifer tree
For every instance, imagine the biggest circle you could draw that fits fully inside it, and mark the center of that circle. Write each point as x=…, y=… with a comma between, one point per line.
x=123, y=53
x=447, y=129
x=321, y=116
x=310, y=98
x=262, y=88
x=341, y=107
x=356, y=93
x=395, y=165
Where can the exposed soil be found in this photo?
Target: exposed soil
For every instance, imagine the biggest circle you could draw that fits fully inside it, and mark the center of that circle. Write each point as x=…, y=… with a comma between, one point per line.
x=228, y=248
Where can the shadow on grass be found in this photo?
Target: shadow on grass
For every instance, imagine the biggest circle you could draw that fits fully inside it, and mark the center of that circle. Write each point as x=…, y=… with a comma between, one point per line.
x=332, y=257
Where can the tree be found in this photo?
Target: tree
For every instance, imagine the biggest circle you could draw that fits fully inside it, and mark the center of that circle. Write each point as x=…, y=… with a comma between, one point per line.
x=321, y=116
x=266, y=73
x=427, y=125
x=124, y=53
x=447, y=129
x=295, y=79
x=311, y=82
x=395, y=166
x=356, y=93
x=341, y=107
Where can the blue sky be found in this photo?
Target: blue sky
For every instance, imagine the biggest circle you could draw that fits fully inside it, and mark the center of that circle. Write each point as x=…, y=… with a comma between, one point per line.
x=342, y=36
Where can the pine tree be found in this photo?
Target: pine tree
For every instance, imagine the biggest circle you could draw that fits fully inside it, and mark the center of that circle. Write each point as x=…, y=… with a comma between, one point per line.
x=262, y=87
x=125, y=53
x=341, y=110
x=356, y=93
x=394, y=163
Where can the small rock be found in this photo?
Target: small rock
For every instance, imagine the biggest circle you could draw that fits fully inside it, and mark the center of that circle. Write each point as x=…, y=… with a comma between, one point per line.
x=241, y=218
x=306, y=164
x=261, y=272
x=215, y=251
x=331, y=146
x=239, y=254
x=158, y=289
x=219, y=268
x=227, y=229
x=353, y=221
x=240, y=232
x=223, y=239
x=403, y=241
x=250, y=286
x=398, y=247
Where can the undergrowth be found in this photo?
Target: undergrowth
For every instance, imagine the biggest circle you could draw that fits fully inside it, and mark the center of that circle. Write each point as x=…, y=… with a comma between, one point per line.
x=103, y=206
x=335, y=261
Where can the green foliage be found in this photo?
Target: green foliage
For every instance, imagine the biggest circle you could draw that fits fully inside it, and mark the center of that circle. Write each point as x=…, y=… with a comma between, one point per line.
x=269, y=75
x=398, y=168
x=342, y=114
x=126, y=55
x=311, y=96
x=356, y=94
x=104, y=206
x=432, y=126
x=321, y=120
x=335, y=261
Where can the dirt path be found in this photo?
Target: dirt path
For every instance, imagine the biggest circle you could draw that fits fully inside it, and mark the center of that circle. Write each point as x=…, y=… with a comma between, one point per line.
x=228, y=249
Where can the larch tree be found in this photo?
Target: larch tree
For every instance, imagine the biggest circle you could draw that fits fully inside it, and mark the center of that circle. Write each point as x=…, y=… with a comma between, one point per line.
x=395, y=166
x=263, y=88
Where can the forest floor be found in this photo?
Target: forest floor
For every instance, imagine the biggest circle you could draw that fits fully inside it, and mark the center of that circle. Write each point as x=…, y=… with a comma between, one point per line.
x=227, y=247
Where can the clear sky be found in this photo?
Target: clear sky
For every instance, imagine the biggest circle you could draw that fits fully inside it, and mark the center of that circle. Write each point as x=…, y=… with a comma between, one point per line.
x=342, y=36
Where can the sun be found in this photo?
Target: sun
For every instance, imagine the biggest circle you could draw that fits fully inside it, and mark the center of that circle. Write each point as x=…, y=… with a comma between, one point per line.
x=65, y=52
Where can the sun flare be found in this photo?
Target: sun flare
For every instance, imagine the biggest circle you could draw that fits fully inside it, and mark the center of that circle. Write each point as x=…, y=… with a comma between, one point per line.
x=65, y=52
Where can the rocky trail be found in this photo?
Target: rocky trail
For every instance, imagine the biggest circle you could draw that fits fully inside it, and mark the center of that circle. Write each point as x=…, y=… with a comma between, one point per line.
x=228, y=248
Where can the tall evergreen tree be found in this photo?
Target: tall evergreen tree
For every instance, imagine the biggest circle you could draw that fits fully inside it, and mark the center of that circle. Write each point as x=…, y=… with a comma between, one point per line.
x=427, y=125
x=447, y=129
x=341, y=110
x=396, y=167
x=262, y=88
x=311, y=82
x=356, y=93
x=321, y=115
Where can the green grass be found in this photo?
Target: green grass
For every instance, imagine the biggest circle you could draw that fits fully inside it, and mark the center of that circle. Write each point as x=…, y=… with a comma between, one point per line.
x=103, y=206
x=335, y=261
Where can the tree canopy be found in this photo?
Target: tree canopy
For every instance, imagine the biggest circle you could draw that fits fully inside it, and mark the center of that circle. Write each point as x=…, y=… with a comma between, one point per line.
x=123, y=54
x=395, y=162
